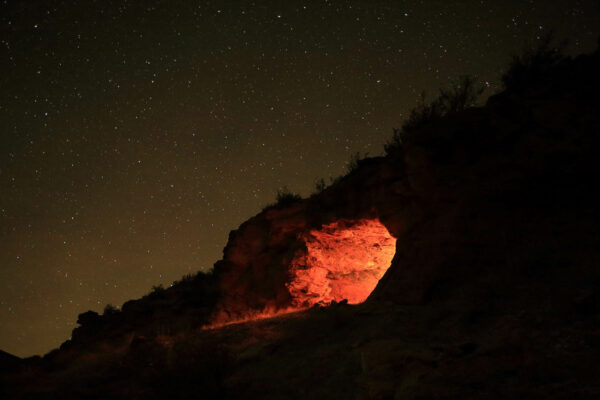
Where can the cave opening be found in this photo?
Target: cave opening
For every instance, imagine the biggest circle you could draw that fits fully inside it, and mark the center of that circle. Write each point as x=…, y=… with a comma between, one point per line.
x=344, y=260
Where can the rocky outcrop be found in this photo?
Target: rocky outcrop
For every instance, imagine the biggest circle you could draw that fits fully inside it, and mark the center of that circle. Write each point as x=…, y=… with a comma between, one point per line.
x=261, y=256
x=463, y=197
x=493, y=290
x=501, y=191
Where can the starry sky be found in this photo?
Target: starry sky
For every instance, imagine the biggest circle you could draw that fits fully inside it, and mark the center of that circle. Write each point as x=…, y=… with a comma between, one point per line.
x=137, y=134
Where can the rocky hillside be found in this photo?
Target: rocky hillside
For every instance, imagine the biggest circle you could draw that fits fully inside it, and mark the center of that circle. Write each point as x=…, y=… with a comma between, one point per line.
x=491, y=218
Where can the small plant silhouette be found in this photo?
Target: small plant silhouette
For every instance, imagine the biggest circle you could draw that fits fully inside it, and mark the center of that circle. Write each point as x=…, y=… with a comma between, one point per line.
x=109, y=309
x=353, y=163
x=286, y=197
x=320, y=185
x=157, y=289
x=88, y=318
x=458, y=98
x=533, y=64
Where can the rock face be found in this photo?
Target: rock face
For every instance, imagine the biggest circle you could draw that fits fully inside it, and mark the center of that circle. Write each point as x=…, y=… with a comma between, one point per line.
x=491, y=221
x=344, y=261
x=298, y=256
x=467, y=192
x=503, y=193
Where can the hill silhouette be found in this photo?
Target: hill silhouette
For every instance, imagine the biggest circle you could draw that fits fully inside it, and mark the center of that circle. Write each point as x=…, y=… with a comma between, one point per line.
x=489, y=216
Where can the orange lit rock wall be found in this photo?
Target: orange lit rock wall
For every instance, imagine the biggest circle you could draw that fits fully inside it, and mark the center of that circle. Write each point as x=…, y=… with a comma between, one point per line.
x=341, y=260
x=344, y=261
x=269, y=260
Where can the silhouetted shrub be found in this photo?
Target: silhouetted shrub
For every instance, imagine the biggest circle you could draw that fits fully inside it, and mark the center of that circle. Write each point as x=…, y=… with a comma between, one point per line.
x=461, y=96
x=185, y=279
x=156, y=292
x=458, y=98
x=355, y=159
x=525, y=70
x=88, y=318
x=395, y=143
x=286, y=197
x=109, y=309
x=188, y=277
x=320, y=185
x=157, y=288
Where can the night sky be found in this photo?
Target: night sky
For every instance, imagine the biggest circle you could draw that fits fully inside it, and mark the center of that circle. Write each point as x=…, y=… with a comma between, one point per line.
x=137, y=134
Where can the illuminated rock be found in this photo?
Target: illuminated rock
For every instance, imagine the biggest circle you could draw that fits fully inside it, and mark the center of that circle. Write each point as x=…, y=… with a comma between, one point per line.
x=341, y=260
x=344, y=261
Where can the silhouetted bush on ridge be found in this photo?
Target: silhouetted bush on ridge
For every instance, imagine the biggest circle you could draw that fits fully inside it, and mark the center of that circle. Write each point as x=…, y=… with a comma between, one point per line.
x=320, y=185
x=109, y=309
x=356, y=160
x=535, y=63
x=456, y=99
x=286, y=197
x=88, y=318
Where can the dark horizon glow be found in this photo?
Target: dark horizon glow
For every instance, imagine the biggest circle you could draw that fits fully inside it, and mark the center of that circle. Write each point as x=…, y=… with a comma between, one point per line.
x=136, y=135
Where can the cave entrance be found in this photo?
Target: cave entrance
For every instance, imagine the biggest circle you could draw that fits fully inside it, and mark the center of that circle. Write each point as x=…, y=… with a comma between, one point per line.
x=344, y=261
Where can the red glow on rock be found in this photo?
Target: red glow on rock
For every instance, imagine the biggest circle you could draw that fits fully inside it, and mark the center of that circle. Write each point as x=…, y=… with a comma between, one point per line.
x=223, y=320
x=344, y=261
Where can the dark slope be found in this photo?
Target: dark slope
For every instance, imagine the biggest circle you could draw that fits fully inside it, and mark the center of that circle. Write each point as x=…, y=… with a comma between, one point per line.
x=494, y=291
x=8, y=362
